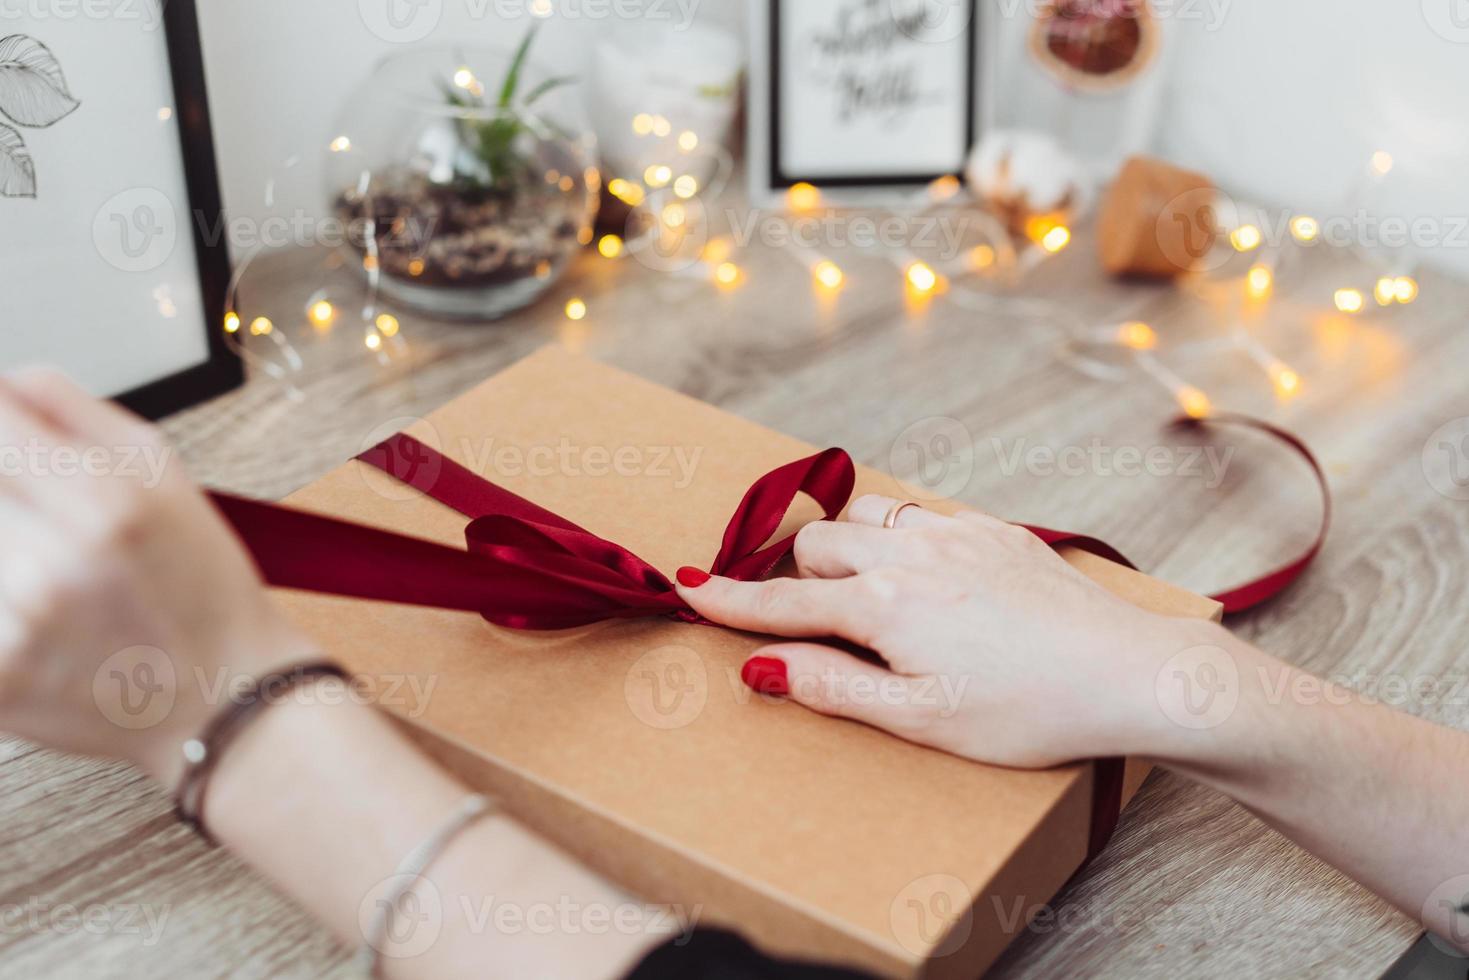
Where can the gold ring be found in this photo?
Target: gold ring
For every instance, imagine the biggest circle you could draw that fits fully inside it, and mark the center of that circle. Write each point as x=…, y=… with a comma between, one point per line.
x=891, y=520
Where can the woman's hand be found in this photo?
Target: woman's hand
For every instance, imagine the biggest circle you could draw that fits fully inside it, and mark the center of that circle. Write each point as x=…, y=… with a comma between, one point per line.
x=995, y=648
x=127, y=607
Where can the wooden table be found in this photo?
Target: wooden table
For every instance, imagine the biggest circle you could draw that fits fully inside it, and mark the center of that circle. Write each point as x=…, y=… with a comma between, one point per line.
x=1192, y=884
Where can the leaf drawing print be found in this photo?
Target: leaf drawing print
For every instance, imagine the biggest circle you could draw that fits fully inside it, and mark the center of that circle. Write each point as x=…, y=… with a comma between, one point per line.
x=17, y=172
x=34, y=93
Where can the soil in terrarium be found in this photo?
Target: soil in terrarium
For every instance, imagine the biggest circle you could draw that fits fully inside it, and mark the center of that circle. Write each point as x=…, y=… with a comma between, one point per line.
x=450, y=235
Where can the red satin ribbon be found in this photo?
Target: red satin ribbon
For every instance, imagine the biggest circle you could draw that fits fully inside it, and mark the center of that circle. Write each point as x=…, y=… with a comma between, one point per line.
x=527, y=568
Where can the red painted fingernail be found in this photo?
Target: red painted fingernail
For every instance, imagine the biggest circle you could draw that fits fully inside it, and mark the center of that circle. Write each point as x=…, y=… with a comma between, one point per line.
x=766, y=675
x=692, y=578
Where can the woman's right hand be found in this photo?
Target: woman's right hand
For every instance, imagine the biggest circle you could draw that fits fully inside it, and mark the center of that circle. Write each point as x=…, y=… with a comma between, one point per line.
x=996, y=649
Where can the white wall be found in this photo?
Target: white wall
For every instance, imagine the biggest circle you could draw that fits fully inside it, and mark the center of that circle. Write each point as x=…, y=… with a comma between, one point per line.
x=1286, y=102
x=1282, y=101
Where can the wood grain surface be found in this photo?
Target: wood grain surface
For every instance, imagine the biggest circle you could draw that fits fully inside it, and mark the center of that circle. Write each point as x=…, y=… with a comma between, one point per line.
x=1192, y=884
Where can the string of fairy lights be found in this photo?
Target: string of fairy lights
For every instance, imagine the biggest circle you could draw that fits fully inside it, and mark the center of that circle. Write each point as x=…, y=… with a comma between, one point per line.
x=666, y=216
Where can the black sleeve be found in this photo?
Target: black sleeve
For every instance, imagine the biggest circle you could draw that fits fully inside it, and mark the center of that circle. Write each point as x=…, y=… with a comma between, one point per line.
x=713, y=955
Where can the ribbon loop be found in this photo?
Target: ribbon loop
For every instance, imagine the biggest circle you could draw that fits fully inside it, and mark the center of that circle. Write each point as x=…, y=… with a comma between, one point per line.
x=827, y=478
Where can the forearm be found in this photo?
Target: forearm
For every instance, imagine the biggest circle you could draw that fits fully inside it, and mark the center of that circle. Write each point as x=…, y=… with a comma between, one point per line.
x=326, y=799
x=1376, y=792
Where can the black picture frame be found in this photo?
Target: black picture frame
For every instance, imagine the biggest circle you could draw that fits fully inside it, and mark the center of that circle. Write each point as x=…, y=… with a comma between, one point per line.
x=222, y=371
x=778, y=178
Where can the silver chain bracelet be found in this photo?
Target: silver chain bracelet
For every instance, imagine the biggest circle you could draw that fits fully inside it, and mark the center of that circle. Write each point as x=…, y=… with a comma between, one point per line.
x=410, y=871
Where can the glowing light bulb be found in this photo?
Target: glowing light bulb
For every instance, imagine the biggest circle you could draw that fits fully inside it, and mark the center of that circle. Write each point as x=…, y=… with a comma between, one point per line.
x=1259, y=282
x=541, y=8
x=1137, y=335
x=626, y=191
x=1382, y=162
x=1037, y=226
x=231, y=322
x=387, y=324
x=674, y=215
x=1405, y=289
x=686, y=186
x=642, y=124
x=661, y=126
x=717, y=250
x=828, y=273
x=1287, y=382
x=415, y=267
x=1305, y=229
x=566, y=183
x=727, y=273
x=373, y=339
x=1195, y=403
x=802, y=196
x=576, y=309
x=1056, y=239
x=657, y=175
x=610, y=246
x=321, y=313
x=922, y=277
x=369, y=262
x=943, y=188
x=688, y=141
x=981, y=257
x=464, y=78
x=261, y=326
x=1385, y=291
x=341, y=144
x=165, y=114
x=1350, y=300
x=1245, y=238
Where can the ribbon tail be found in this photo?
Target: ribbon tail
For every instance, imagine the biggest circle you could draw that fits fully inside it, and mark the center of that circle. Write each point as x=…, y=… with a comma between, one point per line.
x=1257, y=590
x=435, y=475
x=1265, y=587
x=294, y=549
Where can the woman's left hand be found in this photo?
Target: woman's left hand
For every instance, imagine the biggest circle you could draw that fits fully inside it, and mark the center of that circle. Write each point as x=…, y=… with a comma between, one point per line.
x=128, y=608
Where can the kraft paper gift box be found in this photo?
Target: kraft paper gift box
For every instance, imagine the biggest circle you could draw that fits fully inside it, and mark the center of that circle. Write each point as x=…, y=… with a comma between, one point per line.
x=634, y=745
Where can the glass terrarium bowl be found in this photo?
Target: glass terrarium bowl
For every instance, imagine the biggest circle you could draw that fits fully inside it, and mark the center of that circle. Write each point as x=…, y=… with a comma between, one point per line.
x=463, y=201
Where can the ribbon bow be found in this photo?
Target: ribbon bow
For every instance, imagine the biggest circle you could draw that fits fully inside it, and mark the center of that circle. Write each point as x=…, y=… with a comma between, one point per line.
x=524, y=567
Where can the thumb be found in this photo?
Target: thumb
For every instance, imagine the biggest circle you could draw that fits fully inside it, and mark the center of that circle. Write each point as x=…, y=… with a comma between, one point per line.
x=836, y=683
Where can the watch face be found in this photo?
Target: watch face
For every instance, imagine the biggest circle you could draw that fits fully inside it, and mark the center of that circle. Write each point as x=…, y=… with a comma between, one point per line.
x=1095, y=44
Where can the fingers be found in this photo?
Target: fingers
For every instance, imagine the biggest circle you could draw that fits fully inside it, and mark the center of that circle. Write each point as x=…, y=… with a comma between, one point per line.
x=873, y=509
x=69, y=408
x=829, y=549
x=59, y=446
x=23, y=436
x=835, y=683
x=844, y=607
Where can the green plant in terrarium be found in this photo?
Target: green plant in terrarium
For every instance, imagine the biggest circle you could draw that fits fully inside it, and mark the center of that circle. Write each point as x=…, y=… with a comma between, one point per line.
x=489, y=131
